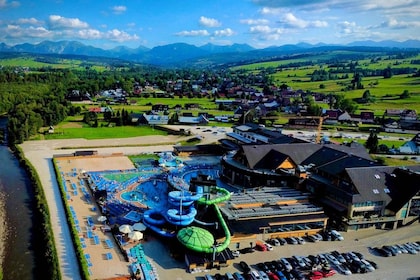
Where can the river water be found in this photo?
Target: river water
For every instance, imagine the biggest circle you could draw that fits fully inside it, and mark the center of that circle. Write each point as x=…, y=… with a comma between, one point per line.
x=16, y=195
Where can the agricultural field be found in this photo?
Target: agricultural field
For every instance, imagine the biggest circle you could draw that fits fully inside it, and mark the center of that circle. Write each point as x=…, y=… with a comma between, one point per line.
x=385, y=91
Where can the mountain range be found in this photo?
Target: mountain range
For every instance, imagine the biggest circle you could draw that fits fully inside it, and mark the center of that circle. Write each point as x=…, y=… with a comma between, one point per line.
x=182, y=54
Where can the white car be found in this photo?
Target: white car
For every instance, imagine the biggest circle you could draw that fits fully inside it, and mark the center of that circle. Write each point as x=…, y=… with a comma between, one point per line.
x=368, y=266
x=236, y=253
x=286, y=264
x=300, y=240
x=268, y=246
x=332, y=259
x=342, y=268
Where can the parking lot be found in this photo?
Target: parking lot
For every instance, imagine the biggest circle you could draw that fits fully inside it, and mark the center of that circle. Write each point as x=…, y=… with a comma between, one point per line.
x=403, y=266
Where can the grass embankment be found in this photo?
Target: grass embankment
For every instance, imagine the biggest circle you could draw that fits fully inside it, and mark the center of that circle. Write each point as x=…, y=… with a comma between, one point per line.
x=46, y=258
x=84, y=269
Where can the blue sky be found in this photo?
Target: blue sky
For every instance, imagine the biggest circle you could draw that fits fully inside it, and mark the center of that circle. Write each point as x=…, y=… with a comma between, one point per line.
x=259, y=23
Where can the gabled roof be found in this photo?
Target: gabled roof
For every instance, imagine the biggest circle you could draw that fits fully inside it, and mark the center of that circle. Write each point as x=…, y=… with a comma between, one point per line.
x=271, y=160
x=394, y=185
x=336, y=167
x=353, y=148
x=297, y=152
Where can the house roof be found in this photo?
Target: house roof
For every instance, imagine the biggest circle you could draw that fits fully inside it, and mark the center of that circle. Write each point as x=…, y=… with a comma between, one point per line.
x=394, y=185
x=297, y=152
x=337, y=166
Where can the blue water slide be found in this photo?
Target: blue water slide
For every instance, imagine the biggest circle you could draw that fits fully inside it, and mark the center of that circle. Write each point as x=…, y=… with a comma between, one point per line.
x=181, y=217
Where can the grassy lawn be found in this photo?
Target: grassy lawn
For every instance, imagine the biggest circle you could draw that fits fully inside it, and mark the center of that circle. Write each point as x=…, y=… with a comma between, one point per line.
x=390, y=161
x=103, y=132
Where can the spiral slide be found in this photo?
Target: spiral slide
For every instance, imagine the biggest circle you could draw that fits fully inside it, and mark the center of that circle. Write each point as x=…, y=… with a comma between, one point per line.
x=181, y=212
x=154, y=220
x=225, y=195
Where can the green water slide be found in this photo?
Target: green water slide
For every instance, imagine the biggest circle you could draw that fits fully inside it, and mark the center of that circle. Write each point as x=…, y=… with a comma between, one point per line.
x=189, y=237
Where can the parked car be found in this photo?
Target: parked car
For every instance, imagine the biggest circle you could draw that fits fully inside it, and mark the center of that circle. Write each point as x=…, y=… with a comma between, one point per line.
x=272, y=276
x=389, y=249
x=300, y=240
x=299, y=261
x=268, y=246
x=402, y=248
x=312, y=238
x=287, y=266
x=282, y=241
x=332, y=259
x=343, y=269
x=315, y=275
x=336, y=235
x=244, y=266
x=229, y=276
x=328, y=272
x=261, y=266
x=275, y=242
x=338, y=256
x=298, y=274
x=292, y=240
x=208, y=277
x=382, y=252
x=236, y=253
x=247, y=250
x=410, y=248
x=263, y=275
x=368, y=266
x=255, y=275
x=281, y=275
x=238, y=276
x=318, y=236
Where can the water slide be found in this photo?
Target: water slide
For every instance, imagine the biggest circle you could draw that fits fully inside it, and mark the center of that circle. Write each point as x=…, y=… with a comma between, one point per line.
x=225, y=195
x=154, y=220
x=181, y=212
x=181, y=217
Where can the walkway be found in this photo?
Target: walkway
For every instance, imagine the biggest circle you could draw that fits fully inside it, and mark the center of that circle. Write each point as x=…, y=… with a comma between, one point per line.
x=40, y=153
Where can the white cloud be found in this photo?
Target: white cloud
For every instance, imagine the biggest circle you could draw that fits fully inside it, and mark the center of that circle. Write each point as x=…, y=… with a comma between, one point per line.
x=5, y=4
x=254, y=21
x=16, y=31
x=32, y=21
x=266, y=33
x=193, y=33
x=395, y=24
x=119, y=9
x=89, y=34
x=290, y=20
x=224, y=32
x=59, y=22
x=120, y=36
x=209, y=22
x=271, y=11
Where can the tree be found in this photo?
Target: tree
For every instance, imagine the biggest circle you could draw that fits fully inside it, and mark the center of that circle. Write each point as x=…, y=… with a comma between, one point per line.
x=405, y=94
x=388, y=72
x=372, y=142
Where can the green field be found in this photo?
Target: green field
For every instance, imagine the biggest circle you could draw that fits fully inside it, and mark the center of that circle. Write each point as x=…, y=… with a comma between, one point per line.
x=57, y=63
x=61, y=132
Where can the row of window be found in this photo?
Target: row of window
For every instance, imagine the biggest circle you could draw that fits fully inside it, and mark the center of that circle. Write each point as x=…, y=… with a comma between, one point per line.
x=368, y=203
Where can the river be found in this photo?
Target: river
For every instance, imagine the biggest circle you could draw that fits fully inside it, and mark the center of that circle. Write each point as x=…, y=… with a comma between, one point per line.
x=16, y=195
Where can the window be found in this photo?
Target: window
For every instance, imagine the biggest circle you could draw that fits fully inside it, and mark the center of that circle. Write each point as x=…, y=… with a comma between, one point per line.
x=386, y=190
x=375, y=191
x=377, y=176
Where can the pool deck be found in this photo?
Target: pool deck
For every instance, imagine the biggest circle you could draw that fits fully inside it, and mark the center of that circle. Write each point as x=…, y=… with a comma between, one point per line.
x=40, y=153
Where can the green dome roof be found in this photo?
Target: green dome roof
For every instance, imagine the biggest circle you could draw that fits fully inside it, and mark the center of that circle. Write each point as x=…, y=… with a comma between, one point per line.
x=195, y=238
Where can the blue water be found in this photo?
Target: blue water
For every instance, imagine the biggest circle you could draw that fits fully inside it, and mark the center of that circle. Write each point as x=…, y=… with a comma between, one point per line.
x=152, y=193
x=19, y=261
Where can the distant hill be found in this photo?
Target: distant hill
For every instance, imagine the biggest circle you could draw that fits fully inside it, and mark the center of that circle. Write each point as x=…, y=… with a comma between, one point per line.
x=182, y=54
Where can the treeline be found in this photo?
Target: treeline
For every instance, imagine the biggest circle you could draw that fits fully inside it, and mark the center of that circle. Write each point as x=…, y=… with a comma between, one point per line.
x=30, y=106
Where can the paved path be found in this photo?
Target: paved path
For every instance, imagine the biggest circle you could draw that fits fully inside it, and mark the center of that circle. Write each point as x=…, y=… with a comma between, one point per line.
x=40, y=153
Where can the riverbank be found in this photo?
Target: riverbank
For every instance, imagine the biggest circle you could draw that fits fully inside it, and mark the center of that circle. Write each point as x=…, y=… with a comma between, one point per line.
x=3, y=227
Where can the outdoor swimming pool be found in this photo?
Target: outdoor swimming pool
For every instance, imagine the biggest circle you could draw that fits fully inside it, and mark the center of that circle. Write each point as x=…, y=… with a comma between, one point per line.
x=152, y=193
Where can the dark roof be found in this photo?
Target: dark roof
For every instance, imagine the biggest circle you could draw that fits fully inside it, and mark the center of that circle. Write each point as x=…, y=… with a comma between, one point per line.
x=271, y=160
x=353, y=148
x=297, y=152
x=394, y=185
x=323, y=156
x=336, y=167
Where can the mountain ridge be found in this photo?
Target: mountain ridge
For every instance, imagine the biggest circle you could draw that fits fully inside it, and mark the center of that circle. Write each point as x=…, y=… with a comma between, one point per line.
x=183, y=53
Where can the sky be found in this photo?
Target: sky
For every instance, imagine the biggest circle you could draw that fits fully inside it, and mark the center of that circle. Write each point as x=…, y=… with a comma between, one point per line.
x=259, y=23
